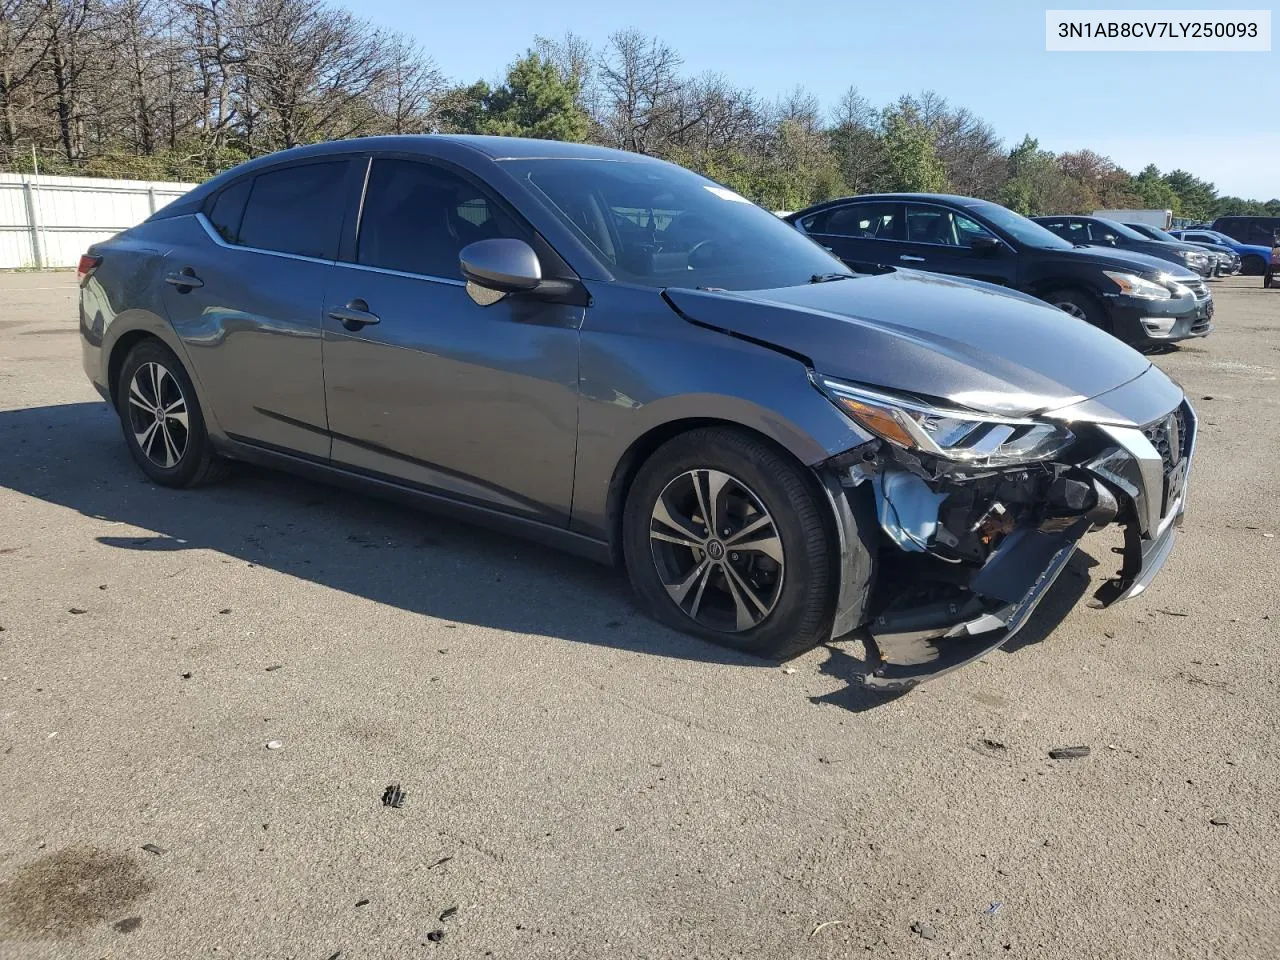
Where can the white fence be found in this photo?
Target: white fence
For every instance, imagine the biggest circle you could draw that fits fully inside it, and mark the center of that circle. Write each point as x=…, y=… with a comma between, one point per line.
x=50, y=221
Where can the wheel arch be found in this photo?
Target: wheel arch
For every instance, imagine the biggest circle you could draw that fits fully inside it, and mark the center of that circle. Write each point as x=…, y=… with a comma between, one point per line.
x=648, y=443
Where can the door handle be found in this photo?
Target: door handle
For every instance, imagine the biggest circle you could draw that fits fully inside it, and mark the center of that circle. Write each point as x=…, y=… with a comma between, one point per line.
x=354, y=315
x=186, y=278
x=910, y=259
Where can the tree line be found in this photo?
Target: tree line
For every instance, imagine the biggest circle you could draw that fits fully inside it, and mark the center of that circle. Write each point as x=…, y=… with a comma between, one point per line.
x=182, y=89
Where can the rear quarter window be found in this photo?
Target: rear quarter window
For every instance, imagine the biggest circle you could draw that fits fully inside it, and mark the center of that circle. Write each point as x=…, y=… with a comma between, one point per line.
x=227, y=209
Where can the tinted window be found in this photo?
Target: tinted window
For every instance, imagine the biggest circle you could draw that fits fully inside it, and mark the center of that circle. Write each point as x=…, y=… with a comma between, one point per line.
x=296, y=210
x=937, y=225
x=1099, y=233
x=417, y=217
x=860, y=220
x=659, y=225
x=227, y=209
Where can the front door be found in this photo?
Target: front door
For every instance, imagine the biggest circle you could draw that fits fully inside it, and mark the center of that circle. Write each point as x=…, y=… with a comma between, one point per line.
x=426, y=387
x=942, y=240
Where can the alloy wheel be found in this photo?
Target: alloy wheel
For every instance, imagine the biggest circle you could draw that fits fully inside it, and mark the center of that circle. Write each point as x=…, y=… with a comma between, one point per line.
x=1074, y=309
x=158, y=415
x=717, y=550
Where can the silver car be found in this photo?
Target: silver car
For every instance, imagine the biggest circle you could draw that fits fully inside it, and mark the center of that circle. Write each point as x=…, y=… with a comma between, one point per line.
x=613, y=355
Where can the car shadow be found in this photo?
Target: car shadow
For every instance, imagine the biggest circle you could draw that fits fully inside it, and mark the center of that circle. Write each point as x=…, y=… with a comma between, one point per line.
x=72, y=455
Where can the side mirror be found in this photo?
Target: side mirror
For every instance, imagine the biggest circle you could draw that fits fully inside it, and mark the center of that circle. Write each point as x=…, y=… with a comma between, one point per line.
x=494, y=268
x=984, y=245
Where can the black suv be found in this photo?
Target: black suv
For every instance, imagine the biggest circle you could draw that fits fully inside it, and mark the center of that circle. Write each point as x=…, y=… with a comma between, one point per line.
x=1260, y=230
x=1140, y=299
x=1100, y=232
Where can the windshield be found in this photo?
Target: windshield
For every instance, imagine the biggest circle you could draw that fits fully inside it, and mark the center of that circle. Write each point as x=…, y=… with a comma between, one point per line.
x=1019, y=227
x=1121, y=229
x=660, y=225
x=1155, y=233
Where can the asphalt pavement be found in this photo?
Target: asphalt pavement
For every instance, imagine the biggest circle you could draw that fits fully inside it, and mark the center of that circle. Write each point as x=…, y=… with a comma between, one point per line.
x=577, y=780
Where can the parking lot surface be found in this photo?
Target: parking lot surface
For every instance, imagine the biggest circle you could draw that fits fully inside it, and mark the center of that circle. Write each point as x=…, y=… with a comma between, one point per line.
x=579, y=781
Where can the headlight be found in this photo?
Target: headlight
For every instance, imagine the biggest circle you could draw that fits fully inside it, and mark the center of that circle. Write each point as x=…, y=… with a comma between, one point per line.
x=1135, y=286
x=965, y=436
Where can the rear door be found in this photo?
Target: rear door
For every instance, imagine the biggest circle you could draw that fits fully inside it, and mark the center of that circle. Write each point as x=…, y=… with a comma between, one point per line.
x=940, y=240
x=479, y=403
x=862, y=234
x=247, y=296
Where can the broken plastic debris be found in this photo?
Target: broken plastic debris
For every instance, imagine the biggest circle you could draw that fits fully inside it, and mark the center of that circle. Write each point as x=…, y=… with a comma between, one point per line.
x=788, y=670
x=435, y=936
x=1218, y=821
x=82, y=610
x=924, y=930
x=823, y=926
x=449, y=912
x=152, y=848
x=274, y=744
x=1068, y=753
x=274, y=666
x=994, y=908
x=393, y=796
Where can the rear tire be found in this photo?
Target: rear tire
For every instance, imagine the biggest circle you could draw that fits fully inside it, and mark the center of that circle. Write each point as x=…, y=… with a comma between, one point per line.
x=161, y=419
x=762, y=577
x=1081, y=305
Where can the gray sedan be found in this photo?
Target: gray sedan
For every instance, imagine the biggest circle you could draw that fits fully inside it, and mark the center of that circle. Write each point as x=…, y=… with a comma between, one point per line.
x=616, y=356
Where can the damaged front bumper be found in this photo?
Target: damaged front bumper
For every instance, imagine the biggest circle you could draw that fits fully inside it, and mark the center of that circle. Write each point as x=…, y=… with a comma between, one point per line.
x=1139, y=478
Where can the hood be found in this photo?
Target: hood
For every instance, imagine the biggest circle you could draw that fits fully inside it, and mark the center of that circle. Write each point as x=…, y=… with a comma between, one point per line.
x=973, y=343
x=1131, y=260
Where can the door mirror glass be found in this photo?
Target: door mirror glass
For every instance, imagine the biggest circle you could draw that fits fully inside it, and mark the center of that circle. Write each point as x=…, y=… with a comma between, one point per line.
x=499, y=266
x=984, y=244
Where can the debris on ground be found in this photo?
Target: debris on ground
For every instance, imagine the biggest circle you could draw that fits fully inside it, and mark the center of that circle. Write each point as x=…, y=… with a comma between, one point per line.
x=1068, y=753
x=336, y=956
x=441, y=862
x=449, y=912
x=274, y=744
x=994, y=908
x=188, y=675
x=1172, y=613
x=435, y=936
x=393, y=796
x=153, y=848
x=127, y=925
x=225, y=610
x=77, y=610
x=1218, y=821
x=274, y=666
x=362, y=903
x=823, y=926
x=924, y=929
x=788, y=670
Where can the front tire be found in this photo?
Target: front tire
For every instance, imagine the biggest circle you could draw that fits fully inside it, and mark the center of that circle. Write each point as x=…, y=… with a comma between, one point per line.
x=1080, y=305
x=161, y=419
x=724, y=537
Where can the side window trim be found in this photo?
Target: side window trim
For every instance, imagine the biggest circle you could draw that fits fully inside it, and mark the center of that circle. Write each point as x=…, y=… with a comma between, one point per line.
x=216, y=238
x=954, y=213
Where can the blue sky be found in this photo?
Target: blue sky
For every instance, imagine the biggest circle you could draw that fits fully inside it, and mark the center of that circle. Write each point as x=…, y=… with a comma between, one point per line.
x=1215, y=114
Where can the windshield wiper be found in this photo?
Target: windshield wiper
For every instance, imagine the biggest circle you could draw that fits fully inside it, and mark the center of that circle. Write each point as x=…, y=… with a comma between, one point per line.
x=828, y=277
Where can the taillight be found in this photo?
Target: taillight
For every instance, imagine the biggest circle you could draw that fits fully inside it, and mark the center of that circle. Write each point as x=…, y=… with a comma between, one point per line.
x=88, y=264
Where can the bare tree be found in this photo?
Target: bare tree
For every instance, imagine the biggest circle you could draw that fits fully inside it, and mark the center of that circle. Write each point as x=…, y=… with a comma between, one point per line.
x=24, y=45
x=640, y=83
x=411, y=89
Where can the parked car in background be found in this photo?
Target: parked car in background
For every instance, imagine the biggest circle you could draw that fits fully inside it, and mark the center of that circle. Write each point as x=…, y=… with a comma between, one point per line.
x=611, y=354
x=1141, y=300
x=1253, y=257
x=1273, y=267
x=1226, y=262
x=1262, y=231
x=1097, y=231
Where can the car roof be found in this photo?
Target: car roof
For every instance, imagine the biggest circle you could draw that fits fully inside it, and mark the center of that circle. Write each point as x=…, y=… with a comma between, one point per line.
x=426, y=144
